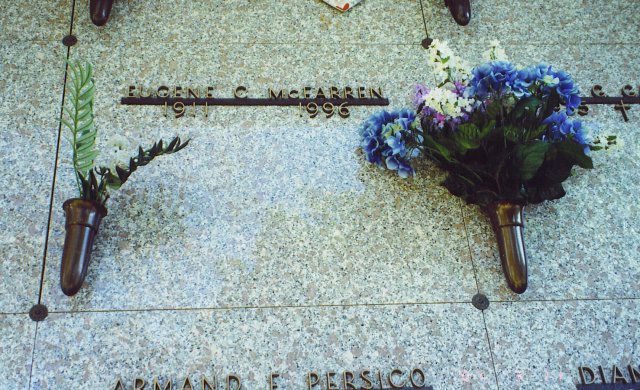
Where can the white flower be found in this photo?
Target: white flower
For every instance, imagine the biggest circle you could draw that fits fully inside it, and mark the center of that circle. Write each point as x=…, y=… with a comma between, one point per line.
x=618, y=143
x=495, y=52
x=446, y=66
x=447, y=102
x=117, y=151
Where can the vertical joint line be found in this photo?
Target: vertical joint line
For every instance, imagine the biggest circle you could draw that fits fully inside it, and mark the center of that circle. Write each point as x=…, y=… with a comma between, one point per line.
x=55, y=166
x=493, y=363
x=424, y=20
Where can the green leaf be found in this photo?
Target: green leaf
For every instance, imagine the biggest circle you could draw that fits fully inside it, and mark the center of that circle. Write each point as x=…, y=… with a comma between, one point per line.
x=493, y=109
x=526, y=107
x=512, y=133
x=542, y=193
x=536, y=133
x=531, y=157
x=469, y=136
x=574, y=152
x=78, y=118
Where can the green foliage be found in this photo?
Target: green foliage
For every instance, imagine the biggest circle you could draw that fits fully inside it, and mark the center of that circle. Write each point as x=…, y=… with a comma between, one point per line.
x=143, y=158
x=498, y=155
x=530, y=157
x=78, y=119
x=470, y=136
x=93, y=182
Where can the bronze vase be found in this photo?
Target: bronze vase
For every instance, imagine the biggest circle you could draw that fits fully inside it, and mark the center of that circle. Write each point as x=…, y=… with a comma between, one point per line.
x=507, y=220
x=82, y=222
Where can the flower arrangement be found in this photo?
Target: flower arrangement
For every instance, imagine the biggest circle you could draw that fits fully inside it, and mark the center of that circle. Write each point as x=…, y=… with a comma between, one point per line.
x=84, y=214
x=504, y=134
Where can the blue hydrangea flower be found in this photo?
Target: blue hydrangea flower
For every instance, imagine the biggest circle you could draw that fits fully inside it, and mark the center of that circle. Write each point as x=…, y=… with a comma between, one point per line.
x=523, y=81
x=563, y=84
x=568, y=91
x=396, y=144
x=562, y=127
x=384, y=138
x=399, y=164
x=493, y=77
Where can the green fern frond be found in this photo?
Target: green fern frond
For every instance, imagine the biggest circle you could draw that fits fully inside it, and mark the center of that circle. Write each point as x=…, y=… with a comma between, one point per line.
x=116, y=179
x=78, y=119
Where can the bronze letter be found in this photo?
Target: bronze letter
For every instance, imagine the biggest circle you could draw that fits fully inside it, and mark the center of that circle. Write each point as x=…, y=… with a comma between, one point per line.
x=396, y=371
x=163, y=91
x=138, y=384
x=589, y=371
x=601, y=371
x=361, y=93
x=142, y=95
x=413, y=382
x=293, y=94
x=348, y=380
x=132, y=91
x=348, y=93
x=306, y=92
x=206, y=385
x=119, y=385
x=365, y=377
x=616, y=375
x=634, y=374
x=158, y=386
x=209, y=92
x=273, y=386
x=380, y=379
x=236, y=379
x=320, y=93
x=185, y=383
x=627, y=90
x=240, y=92
x=177, y=92
x=193, y=92
x=316, y=379
x=334, y=93
x=272, y=94
x=330, y=384
x=377, y=93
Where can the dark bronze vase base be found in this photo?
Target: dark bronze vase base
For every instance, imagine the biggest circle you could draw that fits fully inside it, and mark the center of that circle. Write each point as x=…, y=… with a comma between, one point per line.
x=82, y=222
x=460, y=10
x=507, y=220
x=99, y=10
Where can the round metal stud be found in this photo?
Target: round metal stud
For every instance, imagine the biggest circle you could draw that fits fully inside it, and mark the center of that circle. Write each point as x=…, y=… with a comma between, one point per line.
x=480, y=301
x=69, y=40
x=427, y=42
x=38, y=312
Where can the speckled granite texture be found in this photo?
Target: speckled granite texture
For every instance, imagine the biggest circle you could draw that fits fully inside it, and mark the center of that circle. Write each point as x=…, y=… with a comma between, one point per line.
x=269, y=245
x=30, y=97
x=253, y=343
x=540, y=345
x=17, y=333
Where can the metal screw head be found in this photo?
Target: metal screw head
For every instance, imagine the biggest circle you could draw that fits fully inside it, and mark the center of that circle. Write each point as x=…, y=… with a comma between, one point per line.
x=38, y=312
x=69, y=40
x=427, y=42
x=480, y=301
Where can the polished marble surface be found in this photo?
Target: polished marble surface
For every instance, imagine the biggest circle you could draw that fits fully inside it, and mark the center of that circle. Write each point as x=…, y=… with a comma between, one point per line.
x=24, y=20
x=17, y=334
x=306, y=23
x=445, y=341
x=540, y=22
x=541, y=345
x=269, y=244
x=30, y=97
x=285, y=210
